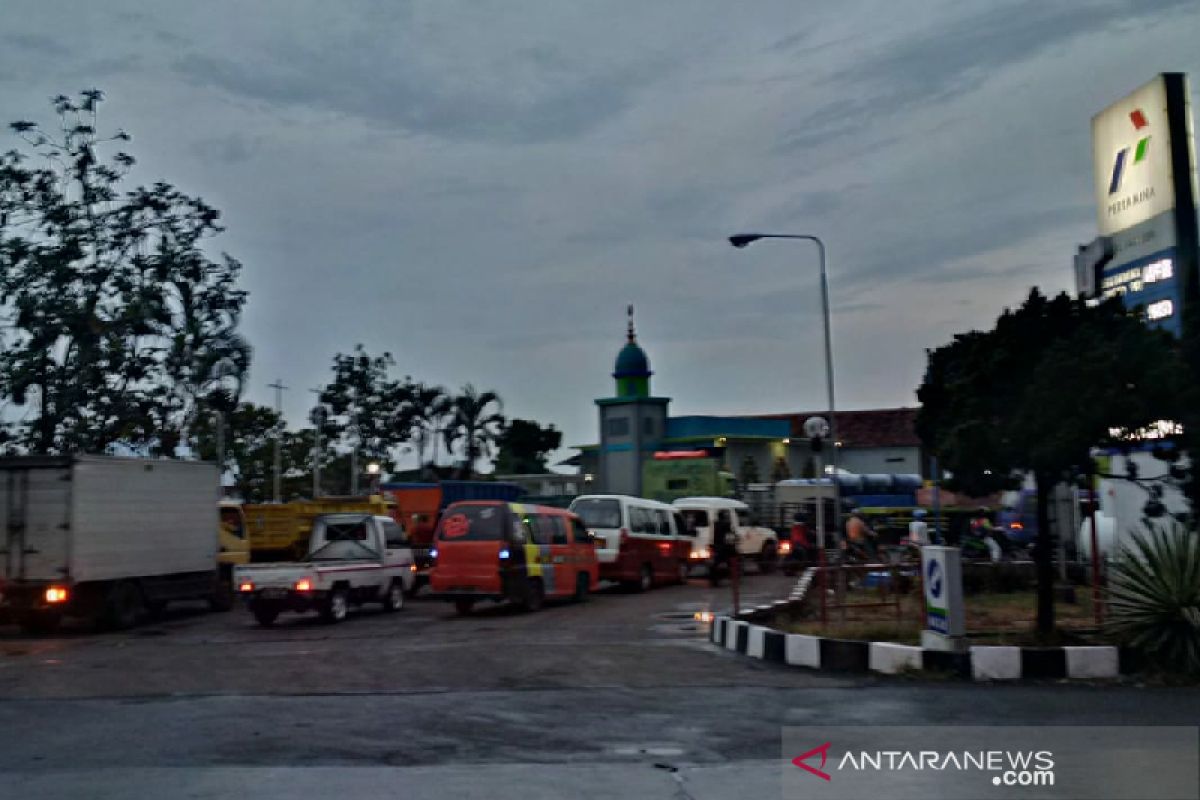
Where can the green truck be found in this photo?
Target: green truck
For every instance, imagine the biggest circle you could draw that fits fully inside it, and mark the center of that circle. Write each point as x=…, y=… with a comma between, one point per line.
x=669, y=479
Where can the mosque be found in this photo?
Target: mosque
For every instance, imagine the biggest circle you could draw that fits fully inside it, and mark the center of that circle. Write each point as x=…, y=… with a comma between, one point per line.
x=634, y=424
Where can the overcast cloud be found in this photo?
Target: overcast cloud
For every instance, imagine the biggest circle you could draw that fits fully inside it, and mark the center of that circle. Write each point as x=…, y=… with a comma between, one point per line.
x=480, y=188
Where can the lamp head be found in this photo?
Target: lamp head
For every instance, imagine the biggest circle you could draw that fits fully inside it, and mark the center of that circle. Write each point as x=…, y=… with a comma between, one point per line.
x=743, y=239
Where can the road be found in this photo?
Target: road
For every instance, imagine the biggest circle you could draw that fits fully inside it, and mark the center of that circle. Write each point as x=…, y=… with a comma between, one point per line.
x=621, y=696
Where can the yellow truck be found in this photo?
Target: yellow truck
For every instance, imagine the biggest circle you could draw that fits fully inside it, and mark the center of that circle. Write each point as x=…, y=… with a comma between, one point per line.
x=233, y=549
x=280, y=531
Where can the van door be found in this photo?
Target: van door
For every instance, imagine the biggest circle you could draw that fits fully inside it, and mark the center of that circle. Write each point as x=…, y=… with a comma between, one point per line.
x=664, y=558
x=539, y=559
x=562, y=555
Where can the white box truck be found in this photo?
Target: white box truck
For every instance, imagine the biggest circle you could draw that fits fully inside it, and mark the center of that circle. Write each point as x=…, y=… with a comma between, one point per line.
x=104, y=538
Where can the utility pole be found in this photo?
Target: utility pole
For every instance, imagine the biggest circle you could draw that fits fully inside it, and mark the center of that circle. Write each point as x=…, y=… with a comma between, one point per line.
x=279, y=389
x=318, y=420
x=354, y=456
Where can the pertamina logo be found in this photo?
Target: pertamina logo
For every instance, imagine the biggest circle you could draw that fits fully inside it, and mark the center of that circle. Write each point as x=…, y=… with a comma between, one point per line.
x=1140, y=124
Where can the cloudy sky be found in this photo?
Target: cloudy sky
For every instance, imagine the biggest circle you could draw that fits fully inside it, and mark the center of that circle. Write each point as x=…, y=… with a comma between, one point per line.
x=482, y=187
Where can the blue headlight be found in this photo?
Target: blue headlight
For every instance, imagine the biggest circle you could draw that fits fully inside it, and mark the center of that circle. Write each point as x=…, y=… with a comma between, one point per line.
x=504, y=553
x=433, y=553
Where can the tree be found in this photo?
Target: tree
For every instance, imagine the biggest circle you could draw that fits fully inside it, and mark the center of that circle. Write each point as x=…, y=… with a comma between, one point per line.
x=476, y=419
x=1053, y=380
x=249, y=448
x=428, y=409
x=524, y=446
x=118, y=326
x=371, y=413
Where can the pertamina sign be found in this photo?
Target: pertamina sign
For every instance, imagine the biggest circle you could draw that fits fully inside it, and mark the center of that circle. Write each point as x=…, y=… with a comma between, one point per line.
x=1131, y=148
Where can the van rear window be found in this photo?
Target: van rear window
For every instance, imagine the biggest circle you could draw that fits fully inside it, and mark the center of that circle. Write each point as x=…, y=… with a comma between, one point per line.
x=598, y=512
x=473, y=524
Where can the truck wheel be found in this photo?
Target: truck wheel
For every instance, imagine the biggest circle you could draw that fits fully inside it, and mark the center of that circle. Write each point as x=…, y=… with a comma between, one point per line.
x=336, y=607
x=535, y=596
x=581, y=588
x=768, y=558
x=123, y=607
x=464, y=606
x=40, y=622
x=265, y=613
x=393, y=598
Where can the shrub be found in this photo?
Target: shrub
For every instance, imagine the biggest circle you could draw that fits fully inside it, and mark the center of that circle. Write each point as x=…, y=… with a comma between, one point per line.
x=1154, y=596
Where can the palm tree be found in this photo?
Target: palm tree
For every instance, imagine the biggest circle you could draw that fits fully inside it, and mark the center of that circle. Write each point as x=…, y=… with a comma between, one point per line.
x=476, y=419
x=428, y=406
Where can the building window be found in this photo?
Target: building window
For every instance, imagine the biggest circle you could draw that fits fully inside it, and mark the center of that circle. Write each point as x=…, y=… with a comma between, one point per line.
x=648, y=426
x=618, y=426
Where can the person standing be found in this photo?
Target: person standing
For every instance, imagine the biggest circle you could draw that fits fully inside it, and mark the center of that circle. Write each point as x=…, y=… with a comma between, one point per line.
x=722, y=547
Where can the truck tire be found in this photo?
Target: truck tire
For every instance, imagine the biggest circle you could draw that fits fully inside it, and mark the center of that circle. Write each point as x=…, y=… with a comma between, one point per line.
x=393, y=596
x=223, y=596
x=265, y=613
x=535, y=595
x=123, y=606
x=768, y=557
x=39, y=623
x=336, y=606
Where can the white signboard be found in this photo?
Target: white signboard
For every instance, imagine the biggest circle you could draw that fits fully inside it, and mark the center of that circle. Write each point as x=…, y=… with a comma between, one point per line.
x=1131, y=152
x=941, y=574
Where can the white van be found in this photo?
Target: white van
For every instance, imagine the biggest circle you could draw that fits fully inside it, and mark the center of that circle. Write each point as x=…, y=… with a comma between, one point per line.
x=753, y=541
x=639, y=542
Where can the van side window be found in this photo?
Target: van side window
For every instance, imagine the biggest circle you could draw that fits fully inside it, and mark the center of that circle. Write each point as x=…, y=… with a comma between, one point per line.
x=581, y=532
x=560, y=530
x=638, y=522
x=681, y=528
x=541, y=528
x=662, y=523
x=744, y=520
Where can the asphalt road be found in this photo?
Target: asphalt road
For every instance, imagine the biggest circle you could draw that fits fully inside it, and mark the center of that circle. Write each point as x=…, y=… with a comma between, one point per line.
x=621, y=696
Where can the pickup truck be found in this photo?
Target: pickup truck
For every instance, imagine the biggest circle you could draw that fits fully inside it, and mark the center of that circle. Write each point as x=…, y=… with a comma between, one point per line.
x=754, y=542
x=353, y=559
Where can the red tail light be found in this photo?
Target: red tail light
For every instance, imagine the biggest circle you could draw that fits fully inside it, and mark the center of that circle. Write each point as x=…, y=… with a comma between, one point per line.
x=304, y=585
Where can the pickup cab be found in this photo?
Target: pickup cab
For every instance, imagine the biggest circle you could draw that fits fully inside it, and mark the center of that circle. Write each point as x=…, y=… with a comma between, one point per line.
x=353, y=559
x=753, y=541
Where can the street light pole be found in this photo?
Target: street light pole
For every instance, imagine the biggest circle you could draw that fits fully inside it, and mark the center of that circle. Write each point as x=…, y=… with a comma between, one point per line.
x=741, y=240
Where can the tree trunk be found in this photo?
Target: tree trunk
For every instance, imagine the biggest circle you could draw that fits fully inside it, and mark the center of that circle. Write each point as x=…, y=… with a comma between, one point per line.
x=1044, y=556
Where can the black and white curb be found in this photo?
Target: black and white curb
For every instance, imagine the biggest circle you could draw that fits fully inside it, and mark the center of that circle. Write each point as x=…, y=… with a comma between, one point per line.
x=978, y=663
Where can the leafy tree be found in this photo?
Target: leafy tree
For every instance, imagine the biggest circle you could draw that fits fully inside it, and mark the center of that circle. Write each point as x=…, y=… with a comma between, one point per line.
x=119, y=328
x=249, y=448
x=476, y=419
x=371, y=413
x=1054, y=379
x=524, y=446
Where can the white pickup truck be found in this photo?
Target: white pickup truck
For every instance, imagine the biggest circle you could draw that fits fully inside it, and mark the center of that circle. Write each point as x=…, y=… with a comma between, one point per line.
x=753, y=541
x=352, y=559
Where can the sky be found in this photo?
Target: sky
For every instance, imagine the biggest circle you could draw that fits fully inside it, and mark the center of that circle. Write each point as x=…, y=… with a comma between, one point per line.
x=480, y=188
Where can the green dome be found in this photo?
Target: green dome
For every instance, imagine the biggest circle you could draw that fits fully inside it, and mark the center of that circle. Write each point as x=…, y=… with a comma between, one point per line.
x=632, y=362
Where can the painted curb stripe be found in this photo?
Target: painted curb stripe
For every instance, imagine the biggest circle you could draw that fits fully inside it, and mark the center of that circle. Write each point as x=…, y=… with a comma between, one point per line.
x=1049, y=662
x=844, y=655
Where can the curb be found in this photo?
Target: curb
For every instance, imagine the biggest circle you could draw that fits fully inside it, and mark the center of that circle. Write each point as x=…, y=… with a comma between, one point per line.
x=980, y=663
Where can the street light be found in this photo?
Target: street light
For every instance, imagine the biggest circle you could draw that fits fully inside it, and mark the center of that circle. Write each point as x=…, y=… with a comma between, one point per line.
x=741, y=240
x=373, y=471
